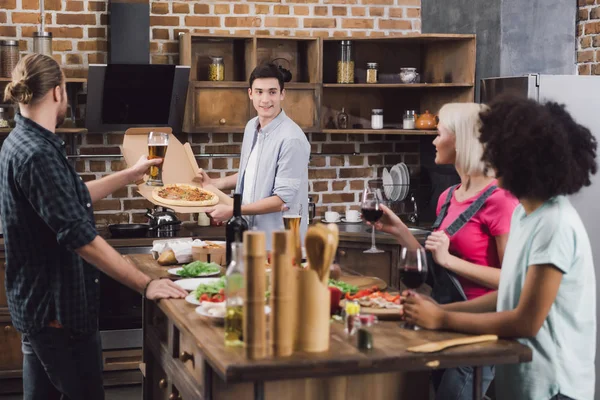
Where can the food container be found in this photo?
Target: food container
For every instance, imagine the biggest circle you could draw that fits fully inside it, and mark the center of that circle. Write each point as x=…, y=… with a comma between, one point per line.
x=345, y=65
x=209, y=251
x=372, y=72
x=42, y=43
x=409, y=75
x=377, y=118
x=408, y=122
x=3, y=118
x=216, y=69
x=9, y=57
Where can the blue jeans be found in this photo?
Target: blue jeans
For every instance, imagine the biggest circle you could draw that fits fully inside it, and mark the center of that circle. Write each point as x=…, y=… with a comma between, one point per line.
x=57, y=365
x=457, y=383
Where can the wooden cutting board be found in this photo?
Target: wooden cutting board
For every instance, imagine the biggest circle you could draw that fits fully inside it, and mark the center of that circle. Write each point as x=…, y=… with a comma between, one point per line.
x=364, y=282
x=384, y=314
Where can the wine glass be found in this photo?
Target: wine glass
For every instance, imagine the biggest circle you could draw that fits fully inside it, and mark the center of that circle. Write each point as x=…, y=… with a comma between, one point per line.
x=412, y=269
x=157, y=148
x=372, y=199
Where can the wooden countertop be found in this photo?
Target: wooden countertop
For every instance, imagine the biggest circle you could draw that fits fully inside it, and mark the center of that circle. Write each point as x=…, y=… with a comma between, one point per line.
x=343, y=356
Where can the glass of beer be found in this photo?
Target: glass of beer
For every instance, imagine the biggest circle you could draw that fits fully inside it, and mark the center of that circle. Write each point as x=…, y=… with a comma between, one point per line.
x=292, y=215
x=157, y=148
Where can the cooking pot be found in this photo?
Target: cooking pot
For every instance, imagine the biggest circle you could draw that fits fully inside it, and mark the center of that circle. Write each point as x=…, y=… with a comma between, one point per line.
x=128, y=230
x=163, y=220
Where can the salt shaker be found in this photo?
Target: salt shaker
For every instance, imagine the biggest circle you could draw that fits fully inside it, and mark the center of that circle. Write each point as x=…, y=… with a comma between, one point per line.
x=377, y=118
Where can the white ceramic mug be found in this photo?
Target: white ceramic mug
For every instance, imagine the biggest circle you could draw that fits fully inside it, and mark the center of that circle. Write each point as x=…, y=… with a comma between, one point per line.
x=332, y=216
x=352, y=216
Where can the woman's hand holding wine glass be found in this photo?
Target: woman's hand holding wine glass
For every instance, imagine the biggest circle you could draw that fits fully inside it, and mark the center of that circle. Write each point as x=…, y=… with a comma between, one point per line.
x=373, y=199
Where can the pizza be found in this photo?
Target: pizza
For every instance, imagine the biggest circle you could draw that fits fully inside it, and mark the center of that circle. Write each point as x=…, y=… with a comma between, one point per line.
x=184, y=195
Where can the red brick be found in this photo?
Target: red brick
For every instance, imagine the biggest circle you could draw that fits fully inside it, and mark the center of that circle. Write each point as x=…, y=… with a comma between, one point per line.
x=356, y=172
x=202, y=21
x=396, y=12
x=107, y=205
x=53, y=5
x=318, y=161
x=336, y=161
x=200, y=138
x=92, y=45
x=585, y=56
x=100, y=150
x=66, y=32
x=596, y=69
x=320, y=11
x=96, y=58
x=160, y=8
x=9, y=31
x=109, y=219
x=262, y=9
x=339, y=11
x=103, y=19
x=376, y=11
x=413, y=13
x=119, y=193
x=322, y=174
x=74, y=59
x=379, y=2
x=223, y=149
x=97, y=6
x=62, y=45
x=281, y=22
x=171, y=47
x=359, y=11
x=591, y=27
x=585, y=42
x=596, y=41
x=374, y=160
x=341, y=2
x=222, y=9
x=116, y=166
x=301, y=10
x=322, y=186
x=96, y=33
x=355, y=23
x=3, y=18
x=74, y=6
x=246, y=22
x=160, y=59
x=165, y=21
x=339, y=185
x=584, y=69
x=338, y=148
x=181, y=8
x=284, y=10
x=97, y=166
x=140, y=204
x=241, y=9
x=296, y=1
x=319, y=23
x=76, y=19
x=25, y=18
x=594, y=14
x=201, y=9
x=357, y=185
x=8, y=4
x=582, y=3
x=356, y=161
x=414, y=3
x=338, y=198
x=394, y=24
x=219, y=163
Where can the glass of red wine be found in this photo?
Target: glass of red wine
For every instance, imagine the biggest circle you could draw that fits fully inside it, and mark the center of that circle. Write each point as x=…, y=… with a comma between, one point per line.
x=372, y=199
x=412, y=270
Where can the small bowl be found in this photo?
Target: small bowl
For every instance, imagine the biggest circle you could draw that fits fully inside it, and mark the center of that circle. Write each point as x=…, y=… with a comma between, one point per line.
x=409, y=75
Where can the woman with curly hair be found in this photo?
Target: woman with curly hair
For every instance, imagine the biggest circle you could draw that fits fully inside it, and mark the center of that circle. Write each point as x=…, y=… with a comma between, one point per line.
x=547, y=293
x=471, y=231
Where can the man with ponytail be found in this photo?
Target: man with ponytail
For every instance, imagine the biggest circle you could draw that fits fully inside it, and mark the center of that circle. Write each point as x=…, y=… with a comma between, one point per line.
x=53, y=251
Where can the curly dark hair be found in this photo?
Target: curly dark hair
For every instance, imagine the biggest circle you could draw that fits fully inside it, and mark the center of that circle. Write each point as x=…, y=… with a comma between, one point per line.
x=537, y=150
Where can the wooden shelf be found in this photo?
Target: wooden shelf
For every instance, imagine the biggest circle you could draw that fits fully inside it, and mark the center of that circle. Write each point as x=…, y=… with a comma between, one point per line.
x=68, y=80
x=244, y=85
x=415, y=132
x=396, y=85
x=59, y=130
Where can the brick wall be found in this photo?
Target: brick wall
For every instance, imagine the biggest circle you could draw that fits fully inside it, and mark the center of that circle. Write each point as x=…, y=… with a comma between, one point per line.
x=588, y=35
x=79, y=29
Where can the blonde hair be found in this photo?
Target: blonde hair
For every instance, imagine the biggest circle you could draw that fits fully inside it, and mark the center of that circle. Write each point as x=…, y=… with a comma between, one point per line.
x=462, y=119
x=33, y=77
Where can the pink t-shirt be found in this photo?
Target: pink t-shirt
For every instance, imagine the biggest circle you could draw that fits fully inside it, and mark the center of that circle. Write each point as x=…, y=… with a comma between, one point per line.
x=476, y=242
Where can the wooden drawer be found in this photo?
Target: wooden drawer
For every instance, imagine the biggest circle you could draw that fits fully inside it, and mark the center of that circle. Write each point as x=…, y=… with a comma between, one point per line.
x=158, y=387
x=351, y=256
x=190, y=357
x=11, y=357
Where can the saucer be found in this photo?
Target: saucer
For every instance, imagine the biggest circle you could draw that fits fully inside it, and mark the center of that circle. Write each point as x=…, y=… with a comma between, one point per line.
x=330, y=222
x=358, y=221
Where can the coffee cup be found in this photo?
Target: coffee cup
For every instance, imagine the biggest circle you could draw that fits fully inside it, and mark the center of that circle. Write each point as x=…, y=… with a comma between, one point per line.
x=332, y=216
x=352, y=216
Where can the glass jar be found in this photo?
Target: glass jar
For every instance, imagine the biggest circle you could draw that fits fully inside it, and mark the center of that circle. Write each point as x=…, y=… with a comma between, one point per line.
x=408, y=122
x=216, y=69
x=409, y=75
x=377, y=118
x=3, y=118
x=9, y=57
x=372, y=72
x=365, y=335
x=342, y=119
x=351, y=317
x=42, y=43
x=345, y=65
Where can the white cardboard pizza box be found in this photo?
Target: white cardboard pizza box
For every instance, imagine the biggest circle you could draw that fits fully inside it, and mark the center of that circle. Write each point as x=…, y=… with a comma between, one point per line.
x=179, y=165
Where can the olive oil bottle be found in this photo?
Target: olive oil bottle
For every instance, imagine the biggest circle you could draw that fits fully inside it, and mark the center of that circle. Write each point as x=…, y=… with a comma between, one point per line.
x=234, y=297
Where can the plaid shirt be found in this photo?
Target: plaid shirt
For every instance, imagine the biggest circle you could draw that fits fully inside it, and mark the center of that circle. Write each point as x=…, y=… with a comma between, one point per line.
x=46, y=214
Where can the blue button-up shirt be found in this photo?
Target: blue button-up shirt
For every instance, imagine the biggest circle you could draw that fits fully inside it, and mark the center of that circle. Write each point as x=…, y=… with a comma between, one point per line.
x=46, y=214
x=281, y=170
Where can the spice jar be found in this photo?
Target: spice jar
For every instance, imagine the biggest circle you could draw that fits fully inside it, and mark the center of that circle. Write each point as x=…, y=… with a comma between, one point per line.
x=351, y=318
x=365, y=336
x=216, y=69
x=342, y=119
x=3, y=118
x=9, y=57
x=42, y=43
x=372, y=72
x=408, y=122
x=345, y=65
x=377, y=118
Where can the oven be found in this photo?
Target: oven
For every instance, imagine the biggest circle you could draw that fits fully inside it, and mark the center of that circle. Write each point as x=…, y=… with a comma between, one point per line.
x=120, y=317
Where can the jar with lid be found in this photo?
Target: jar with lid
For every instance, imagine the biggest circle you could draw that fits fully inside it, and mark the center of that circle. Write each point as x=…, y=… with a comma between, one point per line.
x=351, y=317
x=9, y=57
x=377, y=118
x=3, y=118
x=365, y=336
x=342, y=119
x=42, y=43
x=345, y=65
x=372, y=72
x=216, y=69
x=408, y=122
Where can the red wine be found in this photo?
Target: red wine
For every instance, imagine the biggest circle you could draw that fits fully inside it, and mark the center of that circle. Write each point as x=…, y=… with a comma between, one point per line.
x=236, y=226
x=412, y=278
x=372, y=214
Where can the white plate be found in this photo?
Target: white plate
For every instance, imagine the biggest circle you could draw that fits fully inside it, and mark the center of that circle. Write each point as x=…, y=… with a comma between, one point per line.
x=406, y=179
x=190, y=284
x=191, y=298
x=388, y=183
x=397, y=179
x=359, y=221
x=202, y=311
x=331, y=222
x=175, y=271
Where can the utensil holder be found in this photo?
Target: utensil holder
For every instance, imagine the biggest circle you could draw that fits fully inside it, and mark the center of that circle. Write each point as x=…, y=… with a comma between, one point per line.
x=312, y=312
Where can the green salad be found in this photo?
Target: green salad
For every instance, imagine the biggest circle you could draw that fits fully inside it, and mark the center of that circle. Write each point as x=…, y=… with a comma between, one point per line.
x=343, y=286
x=198, y=268
x=210, y=288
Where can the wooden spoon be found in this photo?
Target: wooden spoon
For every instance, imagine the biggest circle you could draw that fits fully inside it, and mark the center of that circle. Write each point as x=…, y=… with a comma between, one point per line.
x=315, y=246
x=444, y=344
x=329, y=252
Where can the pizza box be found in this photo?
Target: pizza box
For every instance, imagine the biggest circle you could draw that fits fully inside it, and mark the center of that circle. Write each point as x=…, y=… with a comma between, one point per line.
x=179, y=166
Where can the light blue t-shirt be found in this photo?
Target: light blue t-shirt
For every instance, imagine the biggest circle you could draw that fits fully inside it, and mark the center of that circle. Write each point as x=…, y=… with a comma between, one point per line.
x=564, y=348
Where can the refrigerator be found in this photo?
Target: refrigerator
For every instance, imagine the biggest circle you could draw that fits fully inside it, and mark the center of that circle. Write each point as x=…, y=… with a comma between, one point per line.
x=581, y=96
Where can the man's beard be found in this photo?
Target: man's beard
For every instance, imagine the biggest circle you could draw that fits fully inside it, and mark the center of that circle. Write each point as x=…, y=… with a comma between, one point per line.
x=60, y=118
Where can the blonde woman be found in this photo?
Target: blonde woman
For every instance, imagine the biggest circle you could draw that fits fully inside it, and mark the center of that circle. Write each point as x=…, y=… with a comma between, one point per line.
x=470, y=233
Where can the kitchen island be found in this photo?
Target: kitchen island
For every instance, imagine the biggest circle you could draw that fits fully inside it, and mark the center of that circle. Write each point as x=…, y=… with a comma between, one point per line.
x=185, y=358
